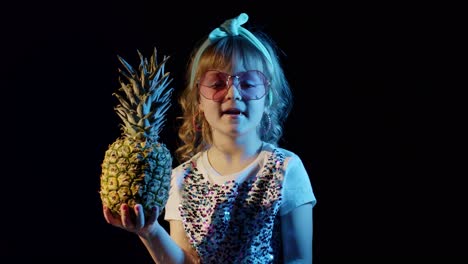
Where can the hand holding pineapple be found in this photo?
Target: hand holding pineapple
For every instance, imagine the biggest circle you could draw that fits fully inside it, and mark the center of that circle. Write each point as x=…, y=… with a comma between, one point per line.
x=134, y=220
x=137, y=167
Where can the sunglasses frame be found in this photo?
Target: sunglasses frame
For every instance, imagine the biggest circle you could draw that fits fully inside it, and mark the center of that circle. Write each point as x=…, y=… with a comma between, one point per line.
x=231, y=78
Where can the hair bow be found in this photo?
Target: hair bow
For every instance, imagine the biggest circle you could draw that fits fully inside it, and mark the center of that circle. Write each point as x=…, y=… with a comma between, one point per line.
x=230, y=27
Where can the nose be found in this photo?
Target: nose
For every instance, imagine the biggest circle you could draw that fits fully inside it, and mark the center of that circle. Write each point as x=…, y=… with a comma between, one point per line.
x=233, y=90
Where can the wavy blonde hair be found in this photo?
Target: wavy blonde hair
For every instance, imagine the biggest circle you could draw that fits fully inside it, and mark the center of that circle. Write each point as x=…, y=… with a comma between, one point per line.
x=194, y=132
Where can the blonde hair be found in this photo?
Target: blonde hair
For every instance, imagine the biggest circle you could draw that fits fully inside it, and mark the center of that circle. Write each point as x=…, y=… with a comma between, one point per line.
x=194, y=132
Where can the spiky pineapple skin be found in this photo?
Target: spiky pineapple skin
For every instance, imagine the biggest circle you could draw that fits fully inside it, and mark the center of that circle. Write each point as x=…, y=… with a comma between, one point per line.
x=135, y=172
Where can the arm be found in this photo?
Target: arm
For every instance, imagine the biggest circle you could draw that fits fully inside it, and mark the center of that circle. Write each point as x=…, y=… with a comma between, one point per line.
x=297, y=231
x=162, y=247
x=170, y=249
x=179, y=235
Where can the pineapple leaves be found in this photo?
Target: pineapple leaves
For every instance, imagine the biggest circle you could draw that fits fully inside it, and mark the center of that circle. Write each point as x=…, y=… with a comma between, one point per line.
x=144, y=96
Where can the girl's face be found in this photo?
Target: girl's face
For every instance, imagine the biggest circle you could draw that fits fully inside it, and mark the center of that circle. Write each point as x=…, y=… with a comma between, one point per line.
x=237, y=109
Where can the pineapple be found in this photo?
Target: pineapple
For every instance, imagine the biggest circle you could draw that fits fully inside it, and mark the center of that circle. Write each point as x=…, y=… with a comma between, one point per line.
x=137, y=166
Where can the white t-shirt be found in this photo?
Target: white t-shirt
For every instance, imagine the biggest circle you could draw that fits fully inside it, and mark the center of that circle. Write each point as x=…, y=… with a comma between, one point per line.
x=235, y=218
x=297, y=188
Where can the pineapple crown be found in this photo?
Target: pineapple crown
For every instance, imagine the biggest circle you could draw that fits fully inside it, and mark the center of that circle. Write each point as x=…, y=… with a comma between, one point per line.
x=144, y=97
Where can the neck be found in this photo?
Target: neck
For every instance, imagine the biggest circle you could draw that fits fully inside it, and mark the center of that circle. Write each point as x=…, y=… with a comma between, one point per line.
x=231, y=158
x=235, y=151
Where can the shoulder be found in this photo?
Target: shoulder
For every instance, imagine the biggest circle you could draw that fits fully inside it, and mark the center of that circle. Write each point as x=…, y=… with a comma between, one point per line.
x=295, y=173
x=182, y=166
x=291, y=159
x=297, y=188
x=180, y=170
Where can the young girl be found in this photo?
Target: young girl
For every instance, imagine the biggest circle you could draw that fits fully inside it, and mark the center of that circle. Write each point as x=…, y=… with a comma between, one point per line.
x=236, y=197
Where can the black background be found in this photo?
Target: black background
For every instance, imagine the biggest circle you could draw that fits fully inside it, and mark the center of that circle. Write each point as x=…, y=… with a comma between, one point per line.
x=369, y=121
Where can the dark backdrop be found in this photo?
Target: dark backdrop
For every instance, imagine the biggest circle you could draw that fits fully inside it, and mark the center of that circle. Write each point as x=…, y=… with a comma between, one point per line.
x=367, y=122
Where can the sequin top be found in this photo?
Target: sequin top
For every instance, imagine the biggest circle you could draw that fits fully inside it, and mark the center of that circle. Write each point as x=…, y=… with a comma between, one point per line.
x=236, y=218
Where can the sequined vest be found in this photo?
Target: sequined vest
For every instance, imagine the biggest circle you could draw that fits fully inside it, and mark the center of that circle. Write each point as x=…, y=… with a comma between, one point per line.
x=232, y=222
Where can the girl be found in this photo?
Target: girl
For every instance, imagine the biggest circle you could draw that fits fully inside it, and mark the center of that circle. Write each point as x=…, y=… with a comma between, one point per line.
x=236, y=197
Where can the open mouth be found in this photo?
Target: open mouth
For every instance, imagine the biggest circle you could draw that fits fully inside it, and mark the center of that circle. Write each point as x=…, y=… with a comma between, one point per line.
x=233, y=111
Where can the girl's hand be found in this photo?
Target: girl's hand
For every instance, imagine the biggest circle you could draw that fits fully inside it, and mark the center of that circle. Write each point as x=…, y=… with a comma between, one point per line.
x=134, y=220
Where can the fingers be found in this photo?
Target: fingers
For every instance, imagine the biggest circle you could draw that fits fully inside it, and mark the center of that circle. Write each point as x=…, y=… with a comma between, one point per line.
x=126, y=218
x=154, y=215
x=140, y=216
x=106, y=213
x=110, y=218
x=141, y=221
x=146, y=225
